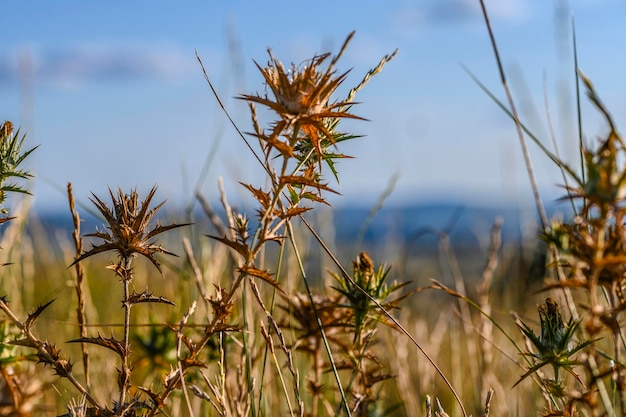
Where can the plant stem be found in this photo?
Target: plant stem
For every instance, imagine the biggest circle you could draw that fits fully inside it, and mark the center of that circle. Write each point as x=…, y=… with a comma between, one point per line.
x=124, y=381
x=386, y=313
x=80, y=287
x=344, y=399
x=31, y=337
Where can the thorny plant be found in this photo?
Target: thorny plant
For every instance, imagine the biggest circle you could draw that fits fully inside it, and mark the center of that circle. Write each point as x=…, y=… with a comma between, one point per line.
x=588, y=256
x=554, y=346
x=128, y=235
x=296, y=150
x=11, y=157
x=336, y=332
x=19, y=389
x=591, y=255
x=351, y=322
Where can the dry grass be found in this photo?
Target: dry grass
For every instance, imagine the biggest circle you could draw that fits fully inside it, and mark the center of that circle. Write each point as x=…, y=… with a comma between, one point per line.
x=237, y=329
x=238, y=325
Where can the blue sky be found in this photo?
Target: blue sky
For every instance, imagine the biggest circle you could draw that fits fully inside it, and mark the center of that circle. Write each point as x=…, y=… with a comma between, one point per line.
x=115, y=97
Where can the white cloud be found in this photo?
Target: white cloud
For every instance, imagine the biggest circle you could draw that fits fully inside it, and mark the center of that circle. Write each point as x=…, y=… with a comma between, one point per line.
x=84, y=62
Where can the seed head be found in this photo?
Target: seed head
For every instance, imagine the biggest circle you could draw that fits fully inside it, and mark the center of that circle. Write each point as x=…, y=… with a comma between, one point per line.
x=302, y=100
x=127, y=230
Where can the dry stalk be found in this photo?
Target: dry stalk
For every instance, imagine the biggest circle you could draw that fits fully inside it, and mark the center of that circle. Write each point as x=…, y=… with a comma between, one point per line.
x=79, y=287
x=388, y=315
x=518, y=125
x=486, y=326
x=488, y=402
x=179, y=343
x=197, y=273
x=449, y=256
x=47, y=353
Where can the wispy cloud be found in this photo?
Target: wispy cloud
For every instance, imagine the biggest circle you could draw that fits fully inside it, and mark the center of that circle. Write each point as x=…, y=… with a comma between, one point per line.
x=450, y=11
x=98, y=62
x=440, y=11
x=437, y=12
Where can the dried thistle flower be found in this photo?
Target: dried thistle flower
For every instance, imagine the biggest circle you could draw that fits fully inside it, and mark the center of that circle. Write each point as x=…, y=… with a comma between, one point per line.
x=128, y=233
x=302, y=100
x=605, y=184
x=334, y=318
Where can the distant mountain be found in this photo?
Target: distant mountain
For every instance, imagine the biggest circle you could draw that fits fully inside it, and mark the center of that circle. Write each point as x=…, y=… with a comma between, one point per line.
x=418, y=223
x=422, y=222
x=406, y=236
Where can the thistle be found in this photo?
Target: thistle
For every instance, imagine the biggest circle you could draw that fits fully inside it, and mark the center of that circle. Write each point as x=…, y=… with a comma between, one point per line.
x=128, y=236
x=555, y=345
x=302, y=101
x=11, y=157
x=368, y=283
x=128, y=233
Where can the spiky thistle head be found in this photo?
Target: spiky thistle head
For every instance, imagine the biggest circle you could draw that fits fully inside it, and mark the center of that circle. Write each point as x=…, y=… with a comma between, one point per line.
x=555, y=345
x=369, y=284
x=127, y=227
x=303, y=101
x=11, y=157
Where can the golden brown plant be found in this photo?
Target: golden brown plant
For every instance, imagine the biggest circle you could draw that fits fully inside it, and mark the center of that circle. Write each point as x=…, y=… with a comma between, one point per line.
x=302, y=139
x=302, y=100
x=350, y=322
x=128, y=233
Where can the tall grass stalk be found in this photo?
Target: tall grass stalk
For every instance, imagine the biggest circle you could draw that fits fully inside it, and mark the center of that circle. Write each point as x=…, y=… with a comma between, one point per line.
x=384, y=311
x=588, y=257
x=520, y=132
x=80, y=284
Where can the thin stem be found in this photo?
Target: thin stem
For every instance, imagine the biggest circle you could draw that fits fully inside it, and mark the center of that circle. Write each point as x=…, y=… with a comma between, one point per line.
x=179, y=338
x=579, y=115
x=557, y=153
x=209, y=332
x=246, y=346
x=318, y=320
x=486, y=326
x=270, y=345
x=271, y=311
x=80, y=288
x=126, y=276
x=452, y=265
x=232, y=122
x=385, y=312
x=520, y=133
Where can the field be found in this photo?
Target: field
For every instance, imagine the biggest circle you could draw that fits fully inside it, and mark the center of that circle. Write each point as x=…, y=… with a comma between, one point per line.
x=261, y=311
